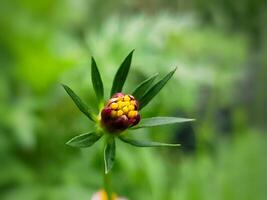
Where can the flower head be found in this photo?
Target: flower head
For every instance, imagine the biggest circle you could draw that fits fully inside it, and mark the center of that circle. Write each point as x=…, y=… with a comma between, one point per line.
x=120, y=113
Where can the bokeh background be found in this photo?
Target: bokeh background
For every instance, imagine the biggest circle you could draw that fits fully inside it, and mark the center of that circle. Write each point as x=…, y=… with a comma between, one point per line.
x=220, y=49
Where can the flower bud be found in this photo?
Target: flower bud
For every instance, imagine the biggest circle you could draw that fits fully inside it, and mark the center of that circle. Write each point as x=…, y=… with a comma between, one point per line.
x=120, y=113
x=102, y=195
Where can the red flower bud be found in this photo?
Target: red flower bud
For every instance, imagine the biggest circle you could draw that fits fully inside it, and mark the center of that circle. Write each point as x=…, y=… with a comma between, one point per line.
x=120, y=113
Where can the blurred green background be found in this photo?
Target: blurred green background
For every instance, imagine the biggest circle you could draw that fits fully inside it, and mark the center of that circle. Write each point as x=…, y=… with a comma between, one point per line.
x=220, y=49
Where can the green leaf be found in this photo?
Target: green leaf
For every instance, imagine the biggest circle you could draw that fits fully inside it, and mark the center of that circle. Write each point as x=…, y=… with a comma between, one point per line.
x=97, y=81
x=140, y=143
x=84, y=140
x=143, y=87
x=153, y=91
x=79, y=103
x=109, y=154
x=121, y=74
x=159, y=121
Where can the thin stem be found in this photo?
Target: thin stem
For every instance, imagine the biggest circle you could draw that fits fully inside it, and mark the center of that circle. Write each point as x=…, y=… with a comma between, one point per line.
x=106, y=176
x=107, y=185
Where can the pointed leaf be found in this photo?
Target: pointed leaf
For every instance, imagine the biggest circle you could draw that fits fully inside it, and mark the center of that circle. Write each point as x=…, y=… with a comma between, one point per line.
x=84, y=140
x=97, y=81
x=143, y=87
x=159, y=121
x=139, y=143
x=109, y=154
x=121, y=74
x=153, y=91
x=79, y=103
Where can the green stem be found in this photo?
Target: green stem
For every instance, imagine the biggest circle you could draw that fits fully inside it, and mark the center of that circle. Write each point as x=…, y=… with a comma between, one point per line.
x=107, y=185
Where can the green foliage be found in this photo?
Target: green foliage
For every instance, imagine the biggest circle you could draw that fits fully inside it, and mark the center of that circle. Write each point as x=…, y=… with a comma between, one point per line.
x=142, y=143
x=42, y=44
x=143, y=87
x=79, y=103
x=84, y=140
x=154, y=90
x=121, y=74
x=109, y=154
x=159, y=121
x=97, y=81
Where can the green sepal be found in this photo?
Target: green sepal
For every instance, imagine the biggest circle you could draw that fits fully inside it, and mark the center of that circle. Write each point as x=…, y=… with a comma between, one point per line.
x=97, y=81
x=84, y=140
x=160, y=121
x=154, y=90
x=109, y=153
x=121, y=74
x=80, y=104
x=141, y=143
x=143, y=87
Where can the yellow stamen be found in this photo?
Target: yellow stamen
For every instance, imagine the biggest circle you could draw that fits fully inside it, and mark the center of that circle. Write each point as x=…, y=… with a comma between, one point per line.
x=127, y=98
x=132, y=114
x=125, y=109
x=131, y=107
x=114, y=106
x=120, y=98
x=127, y=103
x=119, y=113
x=113, y=113
x=120, y=104
x=133, y=102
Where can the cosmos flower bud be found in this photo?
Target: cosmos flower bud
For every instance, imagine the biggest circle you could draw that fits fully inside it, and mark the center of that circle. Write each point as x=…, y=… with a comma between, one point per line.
x=120, y=113
x=102, y=195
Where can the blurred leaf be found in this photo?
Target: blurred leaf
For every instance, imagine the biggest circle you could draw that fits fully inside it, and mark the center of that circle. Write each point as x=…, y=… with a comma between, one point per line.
x=159, y=121
x=84, y=140
x=79, y=103
x=143, y=87
x=139, y=143
x=152, y=92
x=109, y=154
x=121, y=74
x=97, y=81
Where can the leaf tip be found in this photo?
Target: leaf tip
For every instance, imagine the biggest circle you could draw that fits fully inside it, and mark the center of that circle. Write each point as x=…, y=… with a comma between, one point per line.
x=63, y=85
x=106, y=171
x=69, y=143
x=130, y=55
x=174, y=69
x=92, y=59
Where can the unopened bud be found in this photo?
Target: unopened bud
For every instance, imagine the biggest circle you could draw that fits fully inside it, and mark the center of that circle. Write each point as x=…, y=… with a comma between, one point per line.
x=120, y=113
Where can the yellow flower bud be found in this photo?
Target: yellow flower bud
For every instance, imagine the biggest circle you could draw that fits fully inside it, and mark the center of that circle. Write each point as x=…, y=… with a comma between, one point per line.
x=119, y=113
x=133, y=102
x=113, y=113
x=131, y=107
x=114, y=106
x=125, y=109
x=127, y=98
x=132, y=114
x=120, y=104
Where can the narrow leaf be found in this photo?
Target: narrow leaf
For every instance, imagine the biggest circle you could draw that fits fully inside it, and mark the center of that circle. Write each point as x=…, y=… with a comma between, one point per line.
x=109, y=154
x=121, y=74
x=79, y=103
x=139, y=143
x=97, y=81
x=159, y=121
x=143, y=87
x=153, y=91
x=84, y=140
